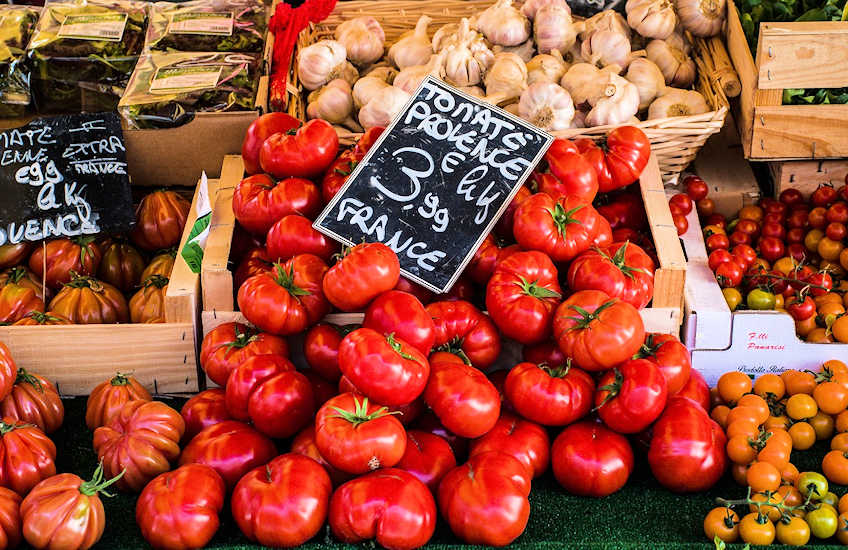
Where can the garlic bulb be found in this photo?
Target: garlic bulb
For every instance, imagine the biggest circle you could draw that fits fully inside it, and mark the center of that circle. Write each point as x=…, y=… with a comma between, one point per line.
x=507, y=77
x=333, y=102
x=672, y=57
x=525, y=51
x=410, y=78
x=701, y=17
x=530, y=7
x=384, y=73
x=605, y=47
x=366, y=88
x=504, y=25
x=585, y=82
x=467, y=61
x=473, y=91
x=651, y=18
x=579, y=120
x=363, y=38
x=547, y=106
x=512, y=108
x=413, y=47
x=609, y=20
x=546, y=68
x=553, y=29
x=677, y=102
x=647, y=78
x=320, y=63
x=447, y=35
x=383, y=107
x=618, y=103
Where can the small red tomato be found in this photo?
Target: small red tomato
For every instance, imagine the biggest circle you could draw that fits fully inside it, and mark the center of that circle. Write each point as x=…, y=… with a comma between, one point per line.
x=837, y=213
x=716, y=219
x=772, y=229
x=526, y=441
x=720, y=256
x=795, y=235
x=817, y=218
x=706, y=207
x=824, y=195
x=729, y=274
x=401, y=314
x=771, y=248
x=682, y=202
x=589, y=459
x=365, y=271
x=835, y=231
x=696, y=188
x=716, y=241
x=205, y=409
x=798, y=219
x=774, y=217
x=748, y=226
x=791, y=196
x=744, y=254
x=428, y=457
x=800, y=309
x=796, y=251
x=680, y=223
x=737, y=237
x=821, y=283
x=466, y=402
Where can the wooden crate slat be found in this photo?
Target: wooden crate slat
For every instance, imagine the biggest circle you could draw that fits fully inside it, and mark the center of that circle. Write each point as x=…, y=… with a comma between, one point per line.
x=799, y=132
x=803, y=55
x=807, y=175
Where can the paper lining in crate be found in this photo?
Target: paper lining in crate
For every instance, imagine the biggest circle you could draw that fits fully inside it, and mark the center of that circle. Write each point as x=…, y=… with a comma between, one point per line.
x=675, y=140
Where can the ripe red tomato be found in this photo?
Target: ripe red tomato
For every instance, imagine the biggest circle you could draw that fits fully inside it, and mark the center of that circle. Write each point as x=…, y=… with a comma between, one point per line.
x=283, y=503
x=466, y=402
x=485, y=500
x=715, y=219
x=429, y=422
x=390, y=505
x=121, y=266
x=424, y=295
x=505, y=226
x=28, y=456
x=521, y=296
x=34, y=400
x=401, y=314
x=259, y=130
x=304, y=444
x=589, y=459
x=17, y=300
x=61, y=256
x=357, y=436
x=597, y=331
x=716, y=241
x=321, y=349
x=837, y=213
x=526, y=441
x=385, y=369
x=705, y=207
x=231, y=448
x=226, y=346
x=464, y=330
x=835, y=231
x=800, y=308
x=110, y=396
x=546, y=352
x=487, y=256
x=696, y=389
x=205, y=409
x=259, y=201
x=822, y=283
x=549, y=395
x=681, y=202
x=797, y=219
x=141, y=441
x=736, y=238
x=795, y=236
x=824, y=195
x=366, y=271
x=669, y=354
x=287, y=300
x=749, y=227
x=322, y=390
x=179, y=510
x=817, y=218
x=796, y=250
x=791, y=196
x=305, y=153
x=623, y=271
x=267, y=391
x=571, y=174
x=773, y=230
x=631, y=396
x=729, y=274
x=10, y=519
x=681, y=224
x=292, y=235
x=14, y=254
x=336, y=174
x=720, y=256
x=619, y=159
x=160, y=220
x=696, y=188
x=561, y=228
x=428, y=457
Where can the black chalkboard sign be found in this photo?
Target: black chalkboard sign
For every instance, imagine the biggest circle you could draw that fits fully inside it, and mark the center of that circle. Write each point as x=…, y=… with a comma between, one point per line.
x=62, y=177
x=435, y=183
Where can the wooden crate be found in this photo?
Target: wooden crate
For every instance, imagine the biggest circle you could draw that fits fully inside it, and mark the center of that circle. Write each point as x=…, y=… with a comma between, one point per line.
x=807, y=175
x=665, y=315
x=790, y=55
x=163, y=357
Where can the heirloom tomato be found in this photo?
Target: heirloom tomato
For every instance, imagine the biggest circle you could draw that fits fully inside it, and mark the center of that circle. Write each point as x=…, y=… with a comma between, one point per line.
x=573, y=175
x=141, y=440
x=521, y=296
x=179, y=510
x=465, y=331
x=561, y=228
x=121, y=266
x=205, y=409
x=357, y=436
x=287, y=300
x=589, y=459
x=304, y=444
x=429, y=422
x=267, y=390
x=401, y=314
x=255, y=262
x=14, y=254
x=293, y=235
x=55, y=260
x=64, y=512
x=336, y=175
x=17, y=301
x=231, y=448
x=8, y=371
x=148, y=304
x=428, y=457
x=626, y=211
x=364, y=272
x=108, y=397
x=26, y=278
x=302, y=153
x=86, y=301
x=259, y=201
x=546, y=352
x=623, y=271
x=669, y=354
x=34, y=400
x=160, y=220
x=552, y=395
x=631, y=396
x=485, y=500
x=29, y=456
x=463, y=399
x=283, y=503
x=259, y=130
x=526, y=441
x=10, y=519
x=619, y=159
x=321, y=349
x=696, y=390
x=598, y=332
x=505, y=226
x=390, y=506
x=385, y=369
x=161, y=264
x=487, y=256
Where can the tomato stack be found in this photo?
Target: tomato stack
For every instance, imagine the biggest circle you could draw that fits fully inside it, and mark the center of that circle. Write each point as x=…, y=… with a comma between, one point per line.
x=88, y=280
x=765, y=422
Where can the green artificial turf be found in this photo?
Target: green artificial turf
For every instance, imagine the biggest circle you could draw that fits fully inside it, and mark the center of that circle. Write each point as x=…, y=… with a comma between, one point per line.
x=642, y=516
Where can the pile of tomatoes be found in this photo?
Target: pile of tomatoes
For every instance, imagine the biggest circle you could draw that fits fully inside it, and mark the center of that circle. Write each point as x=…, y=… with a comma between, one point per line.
x=91, y=280
x=765, y=422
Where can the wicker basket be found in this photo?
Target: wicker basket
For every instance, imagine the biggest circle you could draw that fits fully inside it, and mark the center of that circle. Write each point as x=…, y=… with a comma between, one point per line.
x=675, y=140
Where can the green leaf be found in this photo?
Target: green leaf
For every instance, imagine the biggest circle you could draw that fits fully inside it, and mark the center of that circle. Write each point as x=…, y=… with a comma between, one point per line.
x=719, y=544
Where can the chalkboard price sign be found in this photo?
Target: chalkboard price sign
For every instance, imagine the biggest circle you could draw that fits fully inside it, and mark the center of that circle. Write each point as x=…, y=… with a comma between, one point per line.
x=436, y=182
x=62, y=177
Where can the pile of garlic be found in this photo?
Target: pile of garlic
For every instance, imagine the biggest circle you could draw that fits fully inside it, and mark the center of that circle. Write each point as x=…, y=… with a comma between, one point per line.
x=531, y=58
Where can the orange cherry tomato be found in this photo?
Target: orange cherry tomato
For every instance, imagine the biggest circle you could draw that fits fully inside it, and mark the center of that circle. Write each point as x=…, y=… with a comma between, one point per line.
x=803, y=436
x=789, y=495
x=801, y=406
x=819, y=336
x=790, y=473
x=823, y=425
x=805, y=327
x=839, y=442
x=751, y=212
x=798, y=382
x=745, y=413
x=740, y=474
x=763, y=477
x=757, y=403
x=842, y=526
x=777, y=422
x=733, y=385
x=831, y=397
x=796, y=532
x=772, y=512
x=740, y=451
x=719, y=414
x=746, y=427
x=777, y=450
x=722, y=522
x=835, y=467
x=842, y=506
x=757, y=530
x=839, y=328
x=769, y=383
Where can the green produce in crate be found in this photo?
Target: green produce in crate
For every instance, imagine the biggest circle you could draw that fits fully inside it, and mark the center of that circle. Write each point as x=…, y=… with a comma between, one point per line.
x=83, y=52
x=207, y=26
x=166, y=89
x=16, y=25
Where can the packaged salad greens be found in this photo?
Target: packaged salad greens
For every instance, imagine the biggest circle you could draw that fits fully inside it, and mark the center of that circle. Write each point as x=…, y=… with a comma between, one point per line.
x=16, y=25
x=84, y=51
x=207, y=26
x=166, y=89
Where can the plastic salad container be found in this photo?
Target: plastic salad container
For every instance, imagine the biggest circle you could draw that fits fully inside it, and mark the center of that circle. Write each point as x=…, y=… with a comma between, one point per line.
x=16, y=26
x=207, y=26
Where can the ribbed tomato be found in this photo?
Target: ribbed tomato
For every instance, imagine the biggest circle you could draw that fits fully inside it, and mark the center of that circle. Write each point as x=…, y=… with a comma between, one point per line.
x=10, y=519
x=321, y=349
x=527, y=441
x=402, y=314
x=160, y=220
x=226, y=346
x=28, y=455
x=17, y=301
x=122, y=266
x=34, y=400
x=428, y=457
x=552, y=395
x=590, y=459
x=36, y=318
x=293, y=235
x=668, y=353
x=631, y=396
x=619, y=159
x=109, y=397
x=56, y=259
x=161, y=264
x=148, y=304
x=87, y=301
x=466, y=402
x=622, y=270
x=259, y=201
x=464, y=330
x=205, y=409
x=364, y=272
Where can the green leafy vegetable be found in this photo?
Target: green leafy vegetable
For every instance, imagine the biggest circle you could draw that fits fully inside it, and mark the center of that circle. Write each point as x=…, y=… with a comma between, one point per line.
x=16, y=25
x=237, y=26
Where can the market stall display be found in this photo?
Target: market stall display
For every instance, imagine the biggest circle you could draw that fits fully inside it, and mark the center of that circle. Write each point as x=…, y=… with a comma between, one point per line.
x=16, y=26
